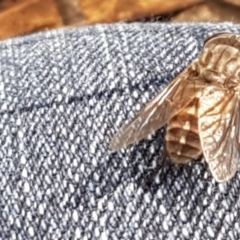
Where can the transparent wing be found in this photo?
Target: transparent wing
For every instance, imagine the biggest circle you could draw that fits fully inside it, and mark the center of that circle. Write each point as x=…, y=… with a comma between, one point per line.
x=157, y=113
x=219, y=131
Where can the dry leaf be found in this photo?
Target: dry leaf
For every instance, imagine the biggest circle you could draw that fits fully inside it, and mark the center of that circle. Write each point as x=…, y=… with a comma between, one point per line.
x=100, y=11
x=29, y=16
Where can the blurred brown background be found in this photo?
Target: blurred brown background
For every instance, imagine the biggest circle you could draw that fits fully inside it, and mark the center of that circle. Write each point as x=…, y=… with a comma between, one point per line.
x=21, y=17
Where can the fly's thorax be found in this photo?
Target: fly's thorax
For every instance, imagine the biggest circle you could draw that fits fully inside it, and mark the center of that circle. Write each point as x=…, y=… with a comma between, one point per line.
x=220, y=62
x=182, y=136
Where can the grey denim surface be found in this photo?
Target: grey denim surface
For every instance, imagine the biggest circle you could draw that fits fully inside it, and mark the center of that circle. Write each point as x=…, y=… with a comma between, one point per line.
x=63, y=94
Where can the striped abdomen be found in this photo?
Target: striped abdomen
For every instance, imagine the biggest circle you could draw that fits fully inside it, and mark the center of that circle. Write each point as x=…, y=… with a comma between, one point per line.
x=182, y=137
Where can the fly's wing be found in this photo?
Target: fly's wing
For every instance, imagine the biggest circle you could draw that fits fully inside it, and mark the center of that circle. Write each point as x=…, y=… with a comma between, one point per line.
x=219, y=131
x=158, y=112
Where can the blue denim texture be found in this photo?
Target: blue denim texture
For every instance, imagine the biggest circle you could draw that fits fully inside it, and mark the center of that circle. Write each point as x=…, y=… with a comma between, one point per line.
x=63, y=95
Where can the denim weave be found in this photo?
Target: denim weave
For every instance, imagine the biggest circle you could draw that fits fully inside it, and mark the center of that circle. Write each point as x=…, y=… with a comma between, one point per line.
x=63, y=95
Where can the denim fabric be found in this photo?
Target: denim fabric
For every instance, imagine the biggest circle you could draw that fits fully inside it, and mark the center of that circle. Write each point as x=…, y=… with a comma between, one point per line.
x=63, y=95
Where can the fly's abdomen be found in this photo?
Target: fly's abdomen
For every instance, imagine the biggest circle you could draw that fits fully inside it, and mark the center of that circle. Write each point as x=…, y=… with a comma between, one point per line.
x=182, y=137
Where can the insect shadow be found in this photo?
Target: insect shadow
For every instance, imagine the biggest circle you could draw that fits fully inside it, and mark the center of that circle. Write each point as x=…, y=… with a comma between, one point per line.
x=150, y=164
